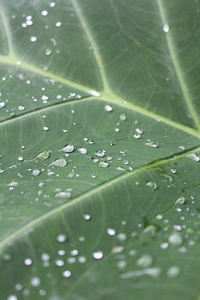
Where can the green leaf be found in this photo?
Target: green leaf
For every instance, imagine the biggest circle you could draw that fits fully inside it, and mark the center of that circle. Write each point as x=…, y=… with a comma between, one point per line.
x=100, y=150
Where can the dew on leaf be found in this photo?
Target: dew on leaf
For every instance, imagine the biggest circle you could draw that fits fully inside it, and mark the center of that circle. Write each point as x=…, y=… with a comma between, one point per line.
x=45, y=128
x=60, y=162
x=35, y=281
x=108, y=108
x=48, y=51
x=111, y=231
x=94, y=93
x=173, y=271
x=43, y=155
x=103, y=164
x=152, y=185
x=33, y=39
x=152, y=272
x=152, y=144
x=166, y=28
x=67, y=273
x=44, y=13
x=181, y=200
x=36, y=172
x=61, y=238
x=28, y=261
x=2, y=104
x=58, y=24
x=68, y=148
x=98, y=254
x=175, y=239
x=87, y=217
x=193, y=156
x=145, y=261
x=82, y=150
x=59, y=262
x=12, y=297
x=123, y=117
x=63, y=195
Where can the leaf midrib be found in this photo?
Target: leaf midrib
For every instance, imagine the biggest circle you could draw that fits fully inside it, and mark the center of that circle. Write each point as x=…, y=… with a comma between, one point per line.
x=106, y=185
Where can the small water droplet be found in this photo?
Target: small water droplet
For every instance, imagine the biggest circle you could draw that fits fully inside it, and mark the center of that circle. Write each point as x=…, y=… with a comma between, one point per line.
x=36, y=172
x=28, y=261
x=108, y=108
x=87, y=217
x=166, y=28
x=58, y=24
x=145, y=261
x=175, y=239
x=61, y=238
x=44, y=13
x=152, y=144
x=193, y=156
x=33, y=39
x=111, y=231
x=173, y=271
x=48, y=51
x=181, y=200
x=123, y=117
x=2, y=104
x=67, y=273
x=63, y=195
x=98, y=254
x=82, y=150
x=12, y=297
x=68, y=148
x=61, y=163
x=103, y=164
x=43, y=155
x=35, y=281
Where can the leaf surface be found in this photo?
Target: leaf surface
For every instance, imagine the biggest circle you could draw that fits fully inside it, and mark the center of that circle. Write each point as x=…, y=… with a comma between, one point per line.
x=99, y=133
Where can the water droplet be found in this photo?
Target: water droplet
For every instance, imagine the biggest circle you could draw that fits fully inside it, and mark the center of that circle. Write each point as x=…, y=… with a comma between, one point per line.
x=43, y=155
x=33, y=39
x=94, y=93
x=48, y=51
x=44, y=13
x=100, y=153
x=166, y=28
x=12, y=297
x=152, y=185
x=67, y=273
x=108, y=108
x=152, y=272
x=193, y=156
x=63, y=195
x=68, y=148
x=36, y=172
x=20, y=158
x=58, y=24
x=145, y=261
x=45, y=128
x=103, y=164
x=181, y=200
x=82, y=150
x=111, y=231
x=152, y=144
x=97, y=254
x=2, y=104
x=175, y=239
x=173, y=271
x=59, y=262
x=87, y=217
x=123, y=117
x=28, y=261
x=61, y=163
x=151, y=230
x=35, y=281
x=61, y=238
